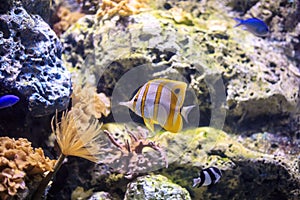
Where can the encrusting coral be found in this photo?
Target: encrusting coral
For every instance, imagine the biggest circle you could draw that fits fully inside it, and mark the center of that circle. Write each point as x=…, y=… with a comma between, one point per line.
x=66, y=19
x=80, y=193
x=19, y=162
x=89, y=102
x=121, y=7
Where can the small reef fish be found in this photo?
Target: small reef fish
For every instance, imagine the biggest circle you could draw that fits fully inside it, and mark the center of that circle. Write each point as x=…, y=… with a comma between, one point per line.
x=160, y=101
x=207, y=177
x=253, y=25
x=8, y=100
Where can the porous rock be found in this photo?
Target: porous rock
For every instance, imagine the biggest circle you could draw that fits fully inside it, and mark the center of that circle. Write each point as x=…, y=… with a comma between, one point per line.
x=100, y=196
x=155, y=187
x=252, y=72
x=38, y=7
x=247, y=173
x=30, y=63
x=246, y=165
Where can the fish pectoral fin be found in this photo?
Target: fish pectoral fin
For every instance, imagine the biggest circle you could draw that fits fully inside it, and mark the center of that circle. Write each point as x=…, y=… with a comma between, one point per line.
x=149, y=124
x=245, y=28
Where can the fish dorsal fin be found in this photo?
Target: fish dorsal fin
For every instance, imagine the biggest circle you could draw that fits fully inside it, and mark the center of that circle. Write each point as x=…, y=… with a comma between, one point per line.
x=176, y=87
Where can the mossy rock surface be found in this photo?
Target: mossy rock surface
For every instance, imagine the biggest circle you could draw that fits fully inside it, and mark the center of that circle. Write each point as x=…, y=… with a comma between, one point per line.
x=248, y=173
x=154, y=187
x=229, y=70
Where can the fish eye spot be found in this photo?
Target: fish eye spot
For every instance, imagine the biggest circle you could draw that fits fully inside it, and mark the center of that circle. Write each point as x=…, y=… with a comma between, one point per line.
x=167, y=6
x=177, y=90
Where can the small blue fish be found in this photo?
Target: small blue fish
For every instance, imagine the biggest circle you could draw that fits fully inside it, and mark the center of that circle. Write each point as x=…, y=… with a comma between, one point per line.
x=253, y=25
x=8, y=100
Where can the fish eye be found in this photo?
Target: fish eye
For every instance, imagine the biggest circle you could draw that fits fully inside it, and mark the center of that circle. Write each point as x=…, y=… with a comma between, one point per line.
x=135, y=99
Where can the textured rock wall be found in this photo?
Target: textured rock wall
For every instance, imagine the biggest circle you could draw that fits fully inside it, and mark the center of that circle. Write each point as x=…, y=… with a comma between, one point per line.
x=254, y=71
x=31, y=64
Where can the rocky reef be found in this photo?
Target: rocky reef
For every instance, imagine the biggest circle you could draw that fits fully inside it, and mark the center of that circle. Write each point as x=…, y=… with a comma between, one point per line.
x=229, y=70
x=246, y=83
x=246, y=90
x=248, y=171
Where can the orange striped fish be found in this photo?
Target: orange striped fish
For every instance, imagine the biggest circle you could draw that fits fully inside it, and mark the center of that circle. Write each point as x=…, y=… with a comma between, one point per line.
x=160, y=101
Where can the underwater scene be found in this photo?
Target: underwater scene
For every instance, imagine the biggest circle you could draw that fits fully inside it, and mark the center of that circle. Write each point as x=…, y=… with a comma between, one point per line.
x=149, y=100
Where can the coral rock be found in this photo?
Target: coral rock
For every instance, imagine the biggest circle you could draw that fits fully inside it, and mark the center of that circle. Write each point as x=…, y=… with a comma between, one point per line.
x=100, y=196
x=155, y=187
x=243, y=169
x=31, y=64
x=66, y=19
x=230, y=70
x=88, y=101
x=121, y=7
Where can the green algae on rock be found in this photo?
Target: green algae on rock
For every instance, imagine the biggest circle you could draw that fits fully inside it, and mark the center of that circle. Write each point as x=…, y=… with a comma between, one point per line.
x=244, y=169
x=246, y=173
x=253, y=75
x=155, y=187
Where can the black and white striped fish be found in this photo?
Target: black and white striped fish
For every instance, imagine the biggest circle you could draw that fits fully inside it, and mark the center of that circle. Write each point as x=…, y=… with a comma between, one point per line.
x=160, y=101
x=207, y=177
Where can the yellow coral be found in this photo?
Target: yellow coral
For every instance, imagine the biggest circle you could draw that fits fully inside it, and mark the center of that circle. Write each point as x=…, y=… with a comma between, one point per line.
x=18, y=161
x=122, y=7
x=86, y=99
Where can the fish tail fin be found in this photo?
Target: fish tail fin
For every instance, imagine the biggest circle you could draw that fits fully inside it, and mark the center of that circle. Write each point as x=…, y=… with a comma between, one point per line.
x=239, y=22
x=185, y=112
x=126, y=103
